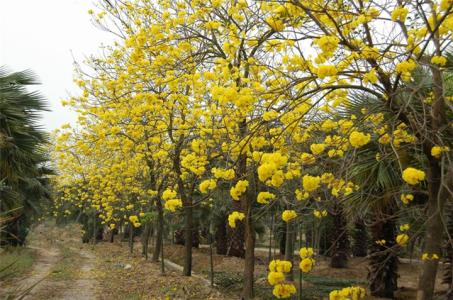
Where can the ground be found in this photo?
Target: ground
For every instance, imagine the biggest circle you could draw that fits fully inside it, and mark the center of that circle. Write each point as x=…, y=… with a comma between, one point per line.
x=57, y=265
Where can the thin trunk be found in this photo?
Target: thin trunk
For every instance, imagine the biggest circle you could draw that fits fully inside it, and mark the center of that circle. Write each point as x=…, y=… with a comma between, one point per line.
x=289, y=248
x=269, y=256
x=131, y=238
x=249, y=264
x=160, y=230
x=188, y=238
x=211, y=259
x=448, y=258
x=282, y=238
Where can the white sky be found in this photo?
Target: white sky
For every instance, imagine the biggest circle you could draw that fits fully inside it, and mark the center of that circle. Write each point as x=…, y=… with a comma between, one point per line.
x=44, y=36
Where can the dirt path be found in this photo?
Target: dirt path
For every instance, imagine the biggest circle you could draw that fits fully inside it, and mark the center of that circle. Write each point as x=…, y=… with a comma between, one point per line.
x=85, y=286
x=63, y=267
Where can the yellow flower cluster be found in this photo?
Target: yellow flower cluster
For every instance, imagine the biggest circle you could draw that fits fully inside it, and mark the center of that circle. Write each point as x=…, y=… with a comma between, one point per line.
x=311, y=183
x=264, y=197
x=276, y=277
x=282, y=291
x=195, y=163
x=135, y=221
x=436, y=151
x=353, y=292
x=223, y=174
x=405, y=68
x=402, y=239
x=233, y=217
x=359, y=139
x=270, y=170
x=171, y=203
x=370, y=77
x=208, y=184
x=407, y=198
x=328, y=44
x=399, y=14
x=307, y=158
x=324, y=71
x=317, y=149
x=320, y=214
x=425, y=256
x=275, y=23
x=438, y=60
x=288, y=215
x=240, y=188
x=405, y=227
x=413, y=176
x=307, y=262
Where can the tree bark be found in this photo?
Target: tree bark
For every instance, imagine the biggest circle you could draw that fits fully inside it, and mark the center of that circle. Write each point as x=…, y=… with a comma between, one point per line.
x=160, y=231
x=383, y=265
x=360, y=236
x=289, y=248
x=340, y=244
x=221, y=237
x=434, y=231
x=249, y=264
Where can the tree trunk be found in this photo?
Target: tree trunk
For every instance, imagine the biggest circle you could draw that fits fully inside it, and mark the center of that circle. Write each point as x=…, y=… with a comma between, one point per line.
x=160, y=231
x=289, y=248
x=383, y=265
x=448, y=258
x=340, y=244
x=434, y=231
x=249, y=264
x=145, y=240
x=282, y=237
x=188, y=238
x=131, y=238
x=360, y=236
x=236, y=235
x=221, y=237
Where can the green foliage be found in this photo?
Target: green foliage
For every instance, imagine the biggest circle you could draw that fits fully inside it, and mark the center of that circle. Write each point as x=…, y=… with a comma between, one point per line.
x=15, y=262
x=23, y=172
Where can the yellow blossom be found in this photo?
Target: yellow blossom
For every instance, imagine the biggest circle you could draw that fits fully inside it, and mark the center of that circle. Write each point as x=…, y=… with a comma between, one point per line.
x=413, y=176
x=240, y=188
x=233, y=217
x=306, y=265
x=359, y=139
x=264, y=197
x=282, y=291
x=438, y=60
x=406, y=198
x=402, y=239
x=310, y=183
x=288, y=215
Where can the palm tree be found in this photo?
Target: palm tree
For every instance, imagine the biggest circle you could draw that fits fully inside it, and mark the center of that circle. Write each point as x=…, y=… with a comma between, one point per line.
x=380, y=184
x=23, y=171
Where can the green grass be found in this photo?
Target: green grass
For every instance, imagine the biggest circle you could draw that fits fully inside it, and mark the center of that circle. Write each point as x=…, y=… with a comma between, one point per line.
x=320, y=286
x=324, y=285
x=66, y=267
x=15, y=262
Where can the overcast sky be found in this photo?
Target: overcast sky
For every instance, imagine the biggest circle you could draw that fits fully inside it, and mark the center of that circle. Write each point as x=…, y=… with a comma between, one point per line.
x=44, y=36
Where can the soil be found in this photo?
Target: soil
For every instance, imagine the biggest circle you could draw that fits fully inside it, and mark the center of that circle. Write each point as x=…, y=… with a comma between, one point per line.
x=65, y=268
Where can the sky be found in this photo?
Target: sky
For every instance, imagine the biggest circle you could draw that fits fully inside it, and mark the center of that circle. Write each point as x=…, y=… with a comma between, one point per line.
x=46, y=36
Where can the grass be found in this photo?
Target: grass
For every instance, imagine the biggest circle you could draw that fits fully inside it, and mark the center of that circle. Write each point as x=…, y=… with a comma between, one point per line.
x=15, y=262
x=66, y=267
x=320, y=286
